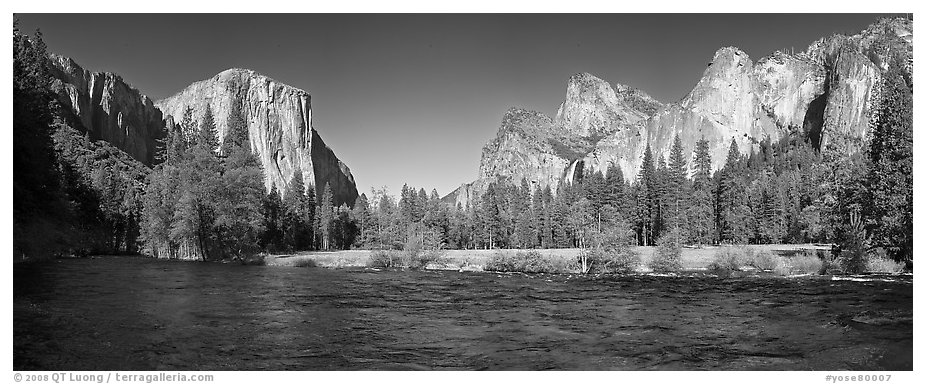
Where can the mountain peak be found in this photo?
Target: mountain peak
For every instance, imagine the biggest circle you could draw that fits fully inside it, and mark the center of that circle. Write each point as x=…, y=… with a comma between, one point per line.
x=730, y=55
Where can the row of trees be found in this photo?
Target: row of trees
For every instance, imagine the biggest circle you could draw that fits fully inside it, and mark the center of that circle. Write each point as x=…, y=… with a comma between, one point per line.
x=70, y=194
x=205, y=200
x=780, y=192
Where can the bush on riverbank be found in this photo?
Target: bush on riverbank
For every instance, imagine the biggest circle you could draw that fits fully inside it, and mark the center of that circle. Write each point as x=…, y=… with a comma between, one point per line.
x=728, y=259
x=763, y=261
x=805, y=264
x=611, y=260
x=528, y=262
x=305, y=263
x=415, y=255
x=610, y=253
x=878, y=262
x=258, y=259
x=668, y=256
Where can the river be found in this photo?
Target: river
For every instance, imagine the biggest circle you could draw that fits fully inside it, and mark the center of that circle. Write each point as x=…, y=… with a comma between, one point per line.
x=132, y=313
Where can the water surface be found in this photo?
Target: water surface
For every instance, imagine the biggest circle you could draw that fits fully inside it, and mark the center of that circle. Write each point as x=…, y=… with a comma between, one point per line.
x=128, y=313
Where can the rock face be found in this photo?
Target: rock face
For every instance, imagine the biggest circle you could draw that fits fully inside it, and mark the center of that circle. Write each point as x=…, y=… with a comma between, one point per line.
x=831, y=88
x=523, y=148
x=735, y=99
x=108, y=108
x=532, y=146
x=279, y=119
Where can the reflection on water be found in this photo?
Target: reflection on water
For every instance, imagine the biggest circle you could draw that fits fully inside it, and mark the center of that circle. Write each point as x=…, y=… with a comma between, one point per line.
x=134, y=313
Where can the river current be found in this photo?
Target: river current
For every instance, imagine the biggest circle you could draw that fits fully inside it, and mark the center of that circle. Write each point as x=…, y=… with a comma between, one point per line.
x=132, y=313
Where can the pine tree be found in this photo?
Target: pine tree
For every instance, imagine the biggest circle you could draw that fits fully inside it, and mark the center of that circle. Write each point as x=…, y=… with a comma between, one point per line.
x=273, y=215
x=734, y=212
x=889, y=209
x=239, y=221
x=326, y=217
x=296, y=218
x=236, y=134
x=677, y=190
x=176, y=145
x=536, y=217
x=661, y=184
x=646, y=202
x=189, y=129
x=547, y=223
x=615, y=190
x=208, y=134
x=524, y=231
x=701, y=211
x=596, y=193
x=361, y=216
x=35, y=176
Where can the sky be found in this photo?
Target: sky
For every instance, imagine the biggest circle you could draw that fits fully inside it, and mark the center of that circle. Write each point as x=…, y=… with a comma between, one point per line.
x=413, y=98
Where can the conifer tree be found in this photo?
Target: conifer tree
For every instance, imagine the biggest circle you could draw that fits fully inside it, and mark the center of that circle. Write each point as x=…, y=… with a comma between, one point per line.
x=189, y=129
x=646, y=202
x=677, y=190
x=536, y=216
x=273, y=215
x=701, y=211
x=208, y=134
x=326, y=217
x=889, y=208
x=297, y=221
x=236, y=134
x=734, y=212
x=615, y=189
x=524, y=231
x=547, y=218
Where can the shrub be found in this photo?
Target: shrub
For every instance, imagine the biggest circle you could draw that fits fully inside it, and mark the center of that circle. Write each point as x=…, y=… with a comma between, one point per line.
x=527, y=262
x=256, y=259
x=610, y=252
x=385, y=259
x=763, y=261
x=852, y=247
x=805, y=263
x=668, y=256
x=305, y=263
x=878, y=262
x=611, y=260
x=728, y=259
x=421, y=258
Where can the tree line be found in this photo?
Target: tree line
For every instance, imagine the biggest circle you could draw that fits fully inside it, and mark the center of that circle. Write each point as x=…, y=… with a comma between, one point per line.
x=853, y=194
x=206, y=199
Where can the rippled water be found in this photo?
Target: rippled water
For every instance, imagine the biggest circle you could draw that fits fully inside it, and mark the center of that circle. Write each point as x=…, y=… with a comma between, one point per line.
x=134, y=313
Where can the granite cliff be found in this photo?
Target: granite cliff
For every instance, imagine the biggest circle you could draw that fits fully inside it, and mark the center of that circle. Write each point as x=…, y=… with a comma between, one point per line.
x=530, y=145
x=279, y=119
x=108, y=108
x=830, y=88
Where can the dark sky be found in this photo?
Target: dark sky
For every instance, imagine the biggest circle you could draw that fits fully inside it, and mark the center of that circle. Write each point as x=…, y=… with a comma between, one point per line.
x=413, y=98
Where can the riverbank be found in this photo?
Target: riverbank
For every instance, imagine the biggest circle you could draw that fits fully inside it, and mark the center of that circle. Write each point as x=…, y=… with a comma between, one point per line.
x=692, y=258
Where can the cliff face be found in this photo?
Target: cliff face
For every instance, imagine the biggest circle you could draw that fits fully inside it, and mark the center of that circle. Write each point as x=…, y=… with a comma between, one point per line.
x=279, y=119
x=525, y=147
x=108, y=108
x=735, y=100
x=532, y=146
x=593, y=108
x=831, y=88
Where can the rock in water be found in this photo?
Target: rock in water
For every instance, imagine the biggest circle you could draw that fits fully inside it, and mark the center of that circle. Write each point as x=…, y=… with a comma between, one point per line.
x=279, y=119
x=104, y=105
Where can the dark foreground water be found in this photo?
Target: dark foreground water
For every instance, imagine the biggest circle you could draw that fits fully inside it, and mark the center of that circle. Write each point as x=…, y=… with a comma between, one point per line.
x=122, y=313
